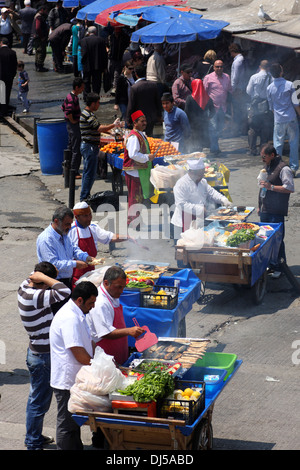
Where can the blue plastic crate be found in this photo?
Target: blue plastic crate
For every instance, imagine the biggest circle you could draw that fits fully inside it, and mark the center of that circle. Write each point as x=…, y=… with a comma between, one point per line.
x=201, y=374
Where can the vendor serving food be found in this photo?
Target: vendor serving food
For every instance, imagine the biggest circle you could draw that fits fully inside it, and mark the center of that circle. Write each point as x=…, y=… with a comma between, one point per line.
x=192, y=194
x=137, y=162
x=106, y=319
x=87, y=235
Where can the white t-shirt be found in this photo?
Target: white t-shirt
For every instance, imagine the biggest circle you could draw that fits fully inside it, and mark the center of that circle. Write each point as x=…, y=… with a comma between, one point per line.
x=68, y=329
x=100, y=318
x=99, y=234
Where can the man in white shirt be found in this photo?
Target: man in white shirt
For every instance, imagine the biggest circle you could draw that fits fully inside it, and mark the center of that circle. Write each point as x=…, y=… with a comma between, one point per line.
x=71, y=347
x=87, y=235
x=106, y=320
x=192, y=194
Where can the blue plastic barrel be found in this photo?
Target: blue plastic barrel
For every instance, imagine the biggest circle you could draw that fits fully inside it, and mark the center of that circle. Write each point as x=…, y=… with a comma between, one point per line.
x=52, y=137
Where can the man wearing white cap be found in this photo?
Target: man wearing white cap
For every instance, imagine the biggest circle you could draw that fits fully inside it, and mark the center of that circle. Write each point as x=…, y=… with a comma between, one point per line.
x=87, y=235
x=192, y=193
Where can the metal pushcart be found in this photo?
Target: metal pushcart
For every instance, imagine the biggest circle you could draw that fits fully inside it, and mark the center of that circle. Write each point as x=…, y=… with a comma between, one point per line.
x=127, y=432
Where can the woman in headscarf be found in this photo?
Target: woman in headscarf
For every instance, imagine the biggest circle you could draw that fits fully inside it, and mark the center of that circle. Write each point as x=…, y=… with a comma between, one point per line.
x=198, y=108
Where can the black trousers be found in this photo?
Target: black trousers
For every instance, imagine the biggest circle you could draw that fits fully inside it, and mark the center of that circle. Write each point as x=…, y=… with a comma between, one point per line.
x=92, y=82
x=74, y=140
x=260, y=125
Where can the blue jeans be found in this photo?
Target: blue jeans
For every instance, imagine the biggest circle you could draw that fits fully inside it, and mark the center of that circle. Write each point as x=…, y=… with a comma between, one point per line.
x=24, y=99
x=215, y=127
x=291, y=129
x=39, y=400
x=267, y=218
x=90, y=154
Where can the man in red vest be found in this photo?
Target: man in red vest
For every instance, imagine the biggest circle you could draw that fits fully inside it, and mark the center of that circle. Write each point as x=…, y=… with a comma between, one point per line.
x=137, y=164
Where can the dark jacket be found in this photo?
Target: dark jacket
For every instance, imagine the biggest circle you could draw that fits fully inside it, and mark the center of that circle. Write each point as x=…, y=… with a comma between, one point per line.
x=8, y=65
x=122, y=90
x=61, y=35
x=93, y=54
x=27, y=15
x=144, y=96
x=274, y=202
x=40, y=27
x=57, y=16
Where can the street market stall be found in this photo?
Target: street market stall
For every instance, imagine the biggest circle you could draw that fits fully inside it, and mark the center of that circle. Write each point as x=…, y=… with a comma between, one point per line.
x=178, y=412
x=232, y=251
x=168, y=166
x=163, y=314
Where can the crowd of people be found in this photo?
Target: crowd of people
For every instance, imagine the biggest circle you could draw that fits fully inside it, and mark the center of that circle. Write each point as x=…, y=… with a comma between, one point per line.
x=66, y=320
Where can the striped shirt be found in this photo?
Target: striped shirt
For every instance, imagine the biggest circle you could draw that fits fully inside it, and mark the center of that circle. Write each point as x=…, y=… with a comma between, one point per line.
x=36, y=313
x=89, y=126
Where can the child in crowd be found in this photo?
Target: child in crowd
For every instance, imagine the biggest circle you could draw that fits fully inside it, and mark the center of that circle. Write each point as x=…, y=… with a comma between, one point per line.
x=23, y=80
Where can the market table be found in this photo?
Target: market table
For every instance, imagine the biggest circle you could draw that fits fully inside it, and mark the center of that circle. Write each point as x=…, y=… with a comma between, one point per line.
x=127, y=432
x=238, y=266
x=163, y=322
x=116, y=163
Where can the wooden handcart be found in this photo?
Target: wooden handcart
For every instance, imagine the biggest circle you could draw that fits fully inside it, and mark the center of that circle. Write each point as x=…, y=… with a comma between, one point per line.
x=237, y=266
x=127, y=432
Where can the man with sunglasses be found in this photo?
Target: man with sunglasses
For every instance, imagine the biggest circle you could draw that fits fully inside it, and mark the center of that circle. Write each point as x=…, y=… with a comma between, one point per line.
x=217, y=85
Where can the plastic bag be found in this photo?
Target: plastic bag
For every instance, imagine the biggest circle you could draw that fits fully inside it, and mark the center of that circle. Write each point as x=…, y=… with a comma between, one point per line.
x=96, y=276
x=105, y=201
x=165, y=176
x=81, y=400
x=102, y=376
x=93, y=384
x=197, y=237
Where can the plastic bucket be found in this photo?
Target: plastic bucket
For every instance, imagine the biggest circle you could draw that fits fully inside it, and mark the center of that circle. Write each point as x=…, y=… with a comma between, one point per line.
x=52, y=136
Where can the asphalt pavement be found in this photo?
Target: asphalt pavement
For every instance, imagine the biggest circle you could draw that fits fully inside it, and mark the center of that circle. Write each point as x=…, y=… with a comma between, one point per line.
x=258, y=408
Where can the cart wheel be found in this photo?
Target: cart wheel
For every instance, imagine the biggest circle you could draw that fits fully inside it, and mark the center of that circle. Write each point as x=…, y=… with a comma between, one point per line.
x=117, y=182
x=182, y=329
x=259, y=289
x=203, y=436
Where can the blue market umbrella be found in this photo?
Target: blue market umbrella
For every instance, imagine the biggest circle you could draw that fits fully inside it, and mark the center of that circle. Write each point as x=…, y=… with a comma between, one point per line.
x=152, y=13
x=91, y=11
x=74, y=3
x=178, y=30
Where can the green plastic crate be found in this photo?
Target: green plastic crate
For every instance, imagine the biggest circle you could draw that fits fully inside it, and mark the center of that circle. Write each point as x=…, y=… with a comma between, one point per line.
x=219, y=361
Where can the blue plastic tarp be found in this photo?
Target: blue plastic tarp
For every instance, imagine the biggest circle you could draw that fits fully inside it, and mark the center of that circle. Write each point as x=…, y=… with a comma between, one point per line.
x=114, y=160
x=267, y=253
x=163, y=322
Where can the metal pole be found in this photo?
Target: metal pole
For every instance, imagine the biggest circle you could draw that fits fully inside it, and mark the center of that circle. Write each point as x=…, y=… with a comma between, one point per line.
x=111, y=228
x=35, y=141
x=66, y=167
x=72, y=188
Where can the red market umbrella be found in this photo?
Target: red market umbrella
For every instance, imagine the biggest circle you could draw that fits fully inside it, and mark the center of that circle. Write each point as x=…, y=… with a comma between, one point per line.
x=103, y=17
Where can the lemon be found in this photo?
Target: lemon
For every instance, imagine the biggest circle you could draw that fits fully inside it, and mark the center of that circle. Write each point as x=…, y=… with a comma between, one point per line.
x=188, y=392
x=196, y=395
x=185, y=397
